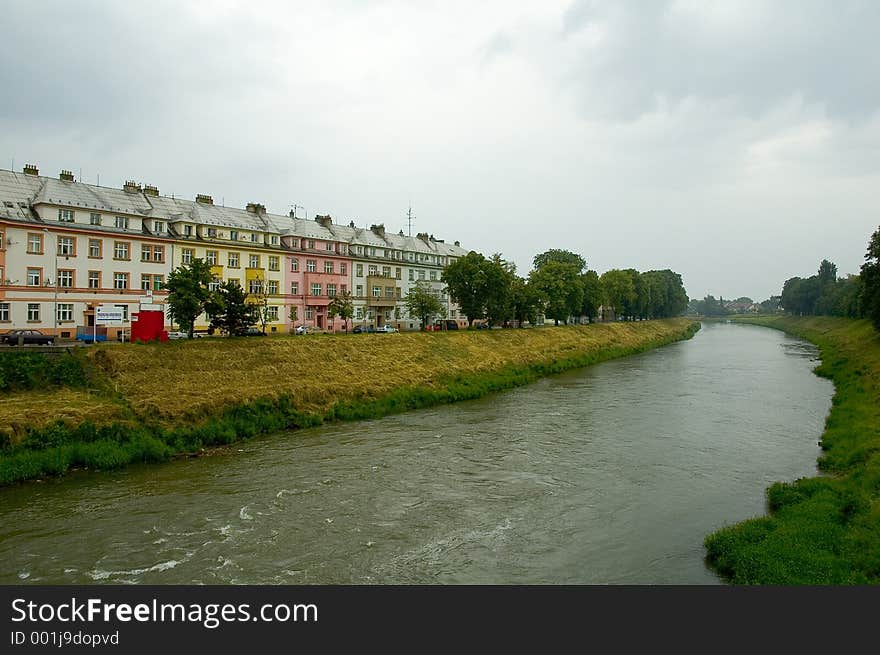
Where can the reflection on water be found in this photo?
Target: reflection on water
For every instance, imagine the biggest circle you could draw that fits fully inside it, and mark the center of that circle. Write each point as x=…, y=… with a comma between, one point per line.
x=611, y=474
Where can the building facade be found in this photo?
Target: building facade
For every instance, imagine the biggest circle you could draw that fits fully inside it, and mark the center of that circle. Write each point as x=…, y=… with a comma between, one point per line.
x=67, y=247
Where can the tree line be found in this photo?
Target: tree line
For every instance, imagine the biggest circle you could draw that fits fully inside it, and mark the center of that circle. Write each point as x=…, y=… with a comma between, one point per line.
x=560, y=287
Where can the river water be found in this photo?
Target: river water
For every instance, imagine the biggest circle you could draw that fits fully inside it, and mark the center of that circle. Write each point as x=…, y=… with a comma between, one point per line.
x=610, y=474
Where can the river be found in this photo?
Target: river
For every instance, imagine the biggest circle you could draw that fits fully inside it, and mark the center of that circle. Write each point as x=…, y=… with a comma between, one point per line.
x=611, y=474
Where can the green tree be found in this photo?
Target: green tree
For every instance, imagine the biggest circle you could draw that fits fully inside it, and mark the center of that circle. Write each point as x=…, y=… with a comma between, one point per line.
x=188, y=291
x=592, y=294
x=229, y=309
x=500, y=278
x=560, y=287
x=561, y=256
x=342, y=306
x=420, y=302
x=525, y=301
x=477, y=283
x=870, y=279
x=619, y=292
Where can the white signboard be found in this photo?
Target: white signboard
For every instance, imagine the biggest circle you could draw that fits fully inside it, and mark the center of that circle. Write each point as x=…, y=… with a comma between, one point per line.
x=108, y=315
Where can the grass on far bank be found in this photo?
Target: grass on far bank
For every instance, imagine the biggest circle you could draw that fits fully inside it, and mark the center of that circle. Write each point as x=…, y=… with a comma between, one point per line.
x=822, y=530
x=180, y=397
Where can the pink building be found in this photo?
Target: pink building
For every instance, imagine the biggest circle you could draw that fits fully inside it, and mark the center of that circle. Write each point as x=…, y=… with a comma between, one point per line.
x=317, y=269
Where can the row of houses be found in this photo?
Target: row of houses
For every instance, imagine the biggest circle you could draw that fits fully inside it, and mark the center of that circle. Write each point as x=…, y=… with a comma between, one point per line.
x=67, y=247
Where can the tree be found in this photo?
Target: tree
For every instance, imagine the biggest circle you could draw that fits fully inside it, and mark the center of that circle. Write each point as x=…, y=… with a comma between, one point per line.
x=478, y=284
x=870, y=279
x=421, y=303
x=500, y=278
x=342, y=306
x=259, y=299
x=592, y=294
x=525, y=301
x=188, y=291
x=561, y=256
x=618, y=289
x=827, y=272
x=229, y=309
x=559, y=285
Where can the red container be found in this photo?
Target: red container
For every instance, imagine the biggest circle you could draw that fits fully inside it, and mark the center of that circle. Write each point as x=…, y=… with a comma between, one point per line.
x=148, y=325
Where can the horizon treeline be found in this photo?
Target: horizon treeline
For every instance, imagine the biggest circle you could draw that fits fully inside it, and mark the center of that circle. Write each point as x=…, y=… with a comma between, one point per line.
x=560, y=287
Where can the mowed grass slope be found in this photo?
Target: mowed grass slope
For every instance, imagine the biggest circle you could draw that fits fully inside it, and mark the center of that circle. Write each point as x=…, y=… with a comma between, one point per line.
x=189, y=379
x=823, y=530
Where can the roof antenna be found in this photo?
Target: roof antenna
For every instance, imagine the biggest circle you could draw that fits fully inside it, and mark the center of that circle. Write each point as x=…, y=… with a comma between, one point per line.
x=409, y=219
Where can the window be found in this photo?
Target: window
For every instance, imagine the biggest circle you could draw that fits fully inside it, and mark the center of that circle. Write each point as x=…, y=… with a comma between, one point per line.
x=386, y=271
x=272, y=287
x=120, y=280
x=358, y=313
x=187, y=230
x=146, y=253
x=359, y=269
x=33, y=312
x=328, y=246
x=331, y=290
x=412, y=275
x=158, y=282
x=343, y=268
x=433, y=276
x=120, y=250
x=316, y=289
x=233, y=234
x=389, y=292
x=214, y=284
x=65, y=279
x=360, y=250
x=4, y=312
x=294, y=288
x=122, y=222
x=311, y=244
x=294, y=243
x=65, y=312
x=274, y=263
x=372, y=252
x=94, y=279
x=65, y=246
x=310, y=313
x=328, y=267
x=274, y=242
x=411, y=257
x=35, y=244
x=94, y=219
x=95, y=248
x=158, y=253
x=360, y=291
x=377, y=292
x=398, y=293
x=34, y=277
x=397, y=272
x=158, y=226
x=65, y=215
x=124, y=309
x=187, y=255
x=146, y=282
x=343, y=288
x=254, y=261
x=311, y=266
x=255, y=286
x=232, y=260
x=211, y=257
x=272, y=313
x=212, y=231
x=372, y=270
x=294, y=265
x=255, y=237
x=421, y=274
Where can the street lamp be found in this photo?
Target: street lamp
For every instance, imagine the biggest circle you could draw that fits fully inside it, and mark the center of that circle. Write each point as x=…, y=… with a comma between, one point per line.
x=55, y=285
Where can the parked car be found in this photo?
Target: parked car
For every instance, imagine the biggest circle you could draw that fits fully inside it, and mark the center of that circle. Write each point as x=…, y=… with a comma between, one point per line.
x=362, y=329
x=251, y=332
x=302, y=329
x=387, y=329
x=481, y=326
x=178, y=335
x=28, y=337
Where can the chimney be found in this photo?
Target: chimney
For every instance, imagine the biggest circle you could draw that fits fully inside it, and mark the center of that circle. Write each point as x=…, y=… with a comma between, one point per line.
x=256, y=208
x=458, y=243
x=324, y=221
x=378, y=230
x=67, y=176
x=291, y=214
x=131, y=186
x=30, y=169
x=422, y=235
x=400, y=234
x=150, y=190
x=205, y=200
x=351, y=224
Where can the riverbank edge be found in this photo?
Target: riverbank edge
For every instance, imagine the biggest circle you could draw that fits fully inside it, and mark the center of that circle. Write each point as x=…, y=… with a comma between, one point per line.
x=61, y=447
x=824, y=529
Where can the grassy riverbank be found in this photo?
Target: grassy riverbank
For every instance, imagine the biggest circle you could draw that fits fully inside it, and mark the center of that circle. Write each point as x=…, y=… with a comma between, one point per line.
x=822, y=530
x=148, y=402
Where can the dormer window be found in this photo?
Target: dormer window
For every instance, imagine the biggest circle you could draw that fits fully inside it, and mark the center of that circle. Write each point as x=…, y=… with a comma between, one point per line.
x=255, y=237
x=274, y=240
x=158, y=226
x=122, y=222
x=65, y=215
x=212, y=231
x=187, y=230
x=233, y=235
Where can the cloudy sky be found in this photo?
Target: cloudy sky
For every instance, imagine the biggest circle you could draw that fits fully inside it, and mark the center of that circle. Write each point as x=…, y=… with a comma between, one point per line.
x=735, y=142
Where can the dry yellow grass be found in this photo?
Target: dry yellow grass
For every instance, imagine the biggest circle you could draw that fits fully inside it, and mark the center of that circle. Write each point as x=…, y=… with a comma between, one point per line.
x=193, y=378
x=25, y=409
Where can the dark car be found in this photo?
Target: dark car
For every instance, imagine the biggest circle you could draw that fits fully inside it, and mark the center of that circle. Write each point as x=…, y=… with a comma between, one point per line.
x=27, y=337
x=362, y=329
x=251, y=332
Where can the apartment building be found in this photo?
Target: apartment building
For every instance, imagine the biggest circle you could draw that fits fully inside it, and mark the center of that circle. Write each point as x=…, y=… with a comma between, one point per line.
x=67, y=247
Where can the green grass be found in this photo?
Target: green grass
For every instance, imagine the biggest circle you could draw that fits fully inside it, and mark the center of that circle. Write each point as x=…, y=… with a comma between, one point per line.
x=823, y=530
x=55, y=448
